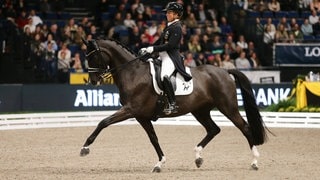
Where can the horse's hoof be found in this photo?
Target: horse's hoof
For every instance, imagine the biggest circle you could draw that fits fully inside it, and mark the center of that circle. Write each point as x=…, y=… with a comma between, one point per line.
x=199, y=162
x=84, y=151
x=254, y=167
x=156, y=169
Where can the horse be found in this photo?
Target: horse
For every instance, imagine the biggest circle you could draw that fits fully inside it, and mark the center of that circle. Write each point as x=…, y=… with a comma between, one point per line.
x=214, y=87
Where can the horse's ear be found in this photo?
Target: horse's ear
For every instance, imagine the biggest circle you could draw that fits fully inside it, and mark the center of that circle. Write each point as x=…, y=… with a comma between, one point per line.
x=84, y=41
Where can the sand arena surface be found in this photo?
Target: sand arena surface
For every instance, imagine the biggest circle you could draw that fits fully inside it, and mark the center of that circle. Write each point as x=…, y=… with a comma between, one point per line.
x=124, y=152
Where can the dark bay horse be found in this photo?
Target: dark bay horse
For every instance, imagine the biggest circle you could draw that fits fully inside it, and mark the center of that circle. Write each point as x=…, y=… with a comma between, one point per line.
x=213, y=88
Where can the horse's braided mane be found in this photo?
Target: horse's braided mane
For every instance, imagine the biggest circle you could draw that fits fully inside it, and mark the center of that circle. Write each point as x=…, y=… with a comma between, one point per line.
x=123, y=46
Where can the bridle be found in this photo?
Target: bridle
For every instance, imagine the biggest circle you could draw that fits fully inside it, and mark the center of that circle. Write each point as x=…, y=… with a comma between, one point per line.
x=107, y=72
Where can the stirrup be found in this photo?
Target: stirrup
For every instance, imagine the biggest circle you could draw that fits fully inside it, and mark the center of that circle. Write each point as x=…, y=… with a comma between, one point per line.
x=172, y=108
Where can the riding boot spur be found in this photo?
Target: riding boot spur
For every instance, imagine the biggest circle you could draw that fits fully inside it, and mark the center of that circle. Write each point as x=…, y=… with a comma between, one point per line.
x=168, y=88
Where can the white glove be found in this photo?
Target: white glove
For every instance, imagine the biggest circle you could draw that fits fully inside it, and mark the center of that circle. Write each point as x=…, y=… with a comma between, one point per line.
x=149, y=49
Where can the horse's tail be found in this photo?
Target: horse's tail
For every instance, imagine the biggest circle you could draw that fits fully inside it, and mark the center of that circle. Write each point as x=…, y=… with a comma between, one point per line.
x=254, y=118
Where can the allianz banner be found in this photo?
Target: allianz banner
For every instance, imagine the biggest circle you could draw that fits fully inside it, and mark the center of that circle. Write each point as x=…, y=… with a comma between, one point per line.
x=296, y=54
x=63, y=97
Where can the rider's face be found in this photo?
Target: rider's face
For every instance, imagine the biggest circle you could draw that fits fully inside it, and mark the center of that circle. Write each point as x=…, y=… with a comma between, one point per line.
x=171, y=16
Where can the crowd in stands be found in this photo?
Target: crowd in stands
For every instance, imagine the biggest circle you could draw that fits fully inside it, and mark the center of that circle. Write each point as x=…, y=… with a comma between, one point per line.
x=229, y=34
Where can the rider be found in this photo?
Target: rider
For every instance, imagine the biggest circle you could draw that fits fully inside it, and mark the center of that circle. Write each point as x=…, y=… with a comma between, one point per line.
x=168, y=47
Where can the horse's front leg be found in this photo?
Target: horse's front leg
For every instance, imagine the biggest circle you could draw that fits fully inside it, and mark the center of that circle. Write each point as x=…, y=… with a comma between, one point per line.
x=119, y=116
x=148, y=127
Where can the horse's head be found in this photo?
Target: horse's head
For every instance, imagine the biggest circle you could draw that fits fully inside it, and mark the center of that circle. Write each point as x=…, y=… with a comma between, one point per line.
x=97, y=60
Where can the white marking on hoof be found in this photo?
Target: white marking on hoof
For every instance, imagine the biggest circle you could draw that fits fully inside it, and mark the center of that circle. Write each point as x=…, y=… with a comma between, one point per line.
x=157, y=167
x=198, y=150
x=256, y=155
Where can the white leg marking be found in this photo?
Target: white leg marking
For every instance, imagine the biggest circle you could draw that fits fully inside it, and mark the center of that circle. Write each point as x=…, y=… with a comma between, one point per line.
x=198, y=150
x=256, y=154
x=160, y=163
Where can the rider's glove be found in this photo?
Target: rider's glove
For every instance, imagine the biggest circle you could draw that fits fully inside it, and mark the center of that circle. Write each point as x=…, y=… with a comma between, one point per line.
x=149, y=49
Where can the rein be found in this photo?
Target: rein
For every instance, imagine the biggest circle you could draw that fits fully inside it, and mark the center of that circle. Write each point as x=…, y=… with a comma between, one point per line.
x=106, y=73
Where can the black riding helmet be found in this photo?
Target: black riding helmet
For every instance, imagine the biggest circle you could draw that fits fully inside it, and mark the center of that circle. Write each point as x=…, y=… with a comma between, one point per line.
x=175, y=7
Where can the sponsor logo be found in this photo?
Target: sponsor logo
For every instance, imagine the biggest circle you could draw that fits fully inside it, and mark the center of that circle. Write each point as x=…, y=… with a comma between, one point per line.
x=96, y=98
x=312, y=52
x=266, y=96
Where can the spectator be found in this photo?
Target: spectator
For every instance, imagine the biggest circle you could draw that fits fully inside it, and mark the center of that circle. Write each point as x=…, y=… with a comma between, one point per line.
x=22, y=19
x=44, y=7
x=285, y=24
x=201, y=59
x=315, y=5
x=37, y=50
x=77, y=65
x=242, y=42
x=19, y=6
x=313, y=18
x=30, y=25
x=63, y=67
x=297, y=33
x=51, y=41
x=271, y=25
x=215, y=27
x=205, y=43
x=64, y=49
x=129, y=22
x=306, y=28
x=35, y=18
x=138, y=7
x=274, y=6
x=191, y=21
x=269, y=35
x=242, y=62
x=232, y=45
x=194, y=44
x=80, y=34
x=50, y=61
x=226, y=29
x=202, y=14
x=254, y=61
x=258, y=29
x=281, y=34
x=227, y=63
x=55, y=33
x=189, y=60
x=217, y=46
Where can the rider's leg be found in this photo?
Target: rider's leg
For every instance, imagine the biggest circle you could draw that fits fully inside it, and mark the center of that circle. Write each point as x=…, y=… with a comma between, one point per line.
x=170, y=95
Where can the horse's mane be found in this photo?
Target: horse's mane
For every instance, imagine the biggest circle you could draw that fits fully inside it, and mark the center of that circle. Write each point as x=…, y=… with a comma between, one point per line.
x=123, y=46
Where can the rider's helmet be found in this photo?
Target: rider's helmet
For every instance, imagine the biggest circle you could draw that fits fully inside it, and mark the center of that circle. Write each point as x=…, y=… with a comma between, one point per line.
x=175, y=7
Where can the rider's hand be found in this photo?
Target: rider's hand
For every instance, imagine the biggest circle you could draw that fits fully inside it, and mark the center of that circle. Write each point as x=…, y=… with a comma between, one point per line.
x=149, y=49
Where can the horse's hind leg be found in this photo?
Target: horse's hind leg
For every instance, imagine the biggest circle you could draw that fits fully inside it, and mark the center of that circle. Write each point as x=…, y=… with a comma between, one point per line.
x=212, y=129
x=243, y=126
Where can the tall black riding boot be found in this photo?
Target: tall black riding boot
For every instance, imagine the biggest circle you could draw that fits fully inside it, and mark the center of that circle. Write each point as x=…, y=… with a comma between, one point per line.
x=168, y=88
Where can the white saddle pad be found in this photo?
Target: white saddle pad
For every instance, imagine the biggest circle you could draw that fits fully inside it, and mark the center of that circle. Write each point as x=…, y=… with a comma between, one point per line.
x=183, y=87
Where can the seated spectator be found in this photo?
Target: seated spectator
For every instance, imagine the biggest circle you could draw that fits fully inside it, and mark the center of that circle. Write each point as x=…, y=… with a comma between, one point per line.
x=313, y=18
x=285, y=24
x=297, y=33
x=50, y=61
x=22, y=19
x=242, y=62
x=129, y=22
x=281, y=35
x=80, y=34
x=225, y=27
x=268, y=35
x=191, y=21
x=242, y=42
x=306, y=28
x=30, y=25
x=50, y=40
x=205, y=44
x=35, y=18
x=64, y=49
x=232, y=44
x=201, y=59
x=254, y=61
x=274, y=6
x=76, y=63
x=315, y=5
x=215, y=27
x=217, y=45
x=271, y=25
x=194, y=44
x=189, y=60
x=227, y=63
x=202, y=14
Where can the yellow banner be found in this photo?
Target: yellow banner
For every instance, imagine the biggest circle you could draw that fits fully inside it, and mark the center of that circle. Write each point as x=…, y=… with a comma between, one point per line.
x=79, y=78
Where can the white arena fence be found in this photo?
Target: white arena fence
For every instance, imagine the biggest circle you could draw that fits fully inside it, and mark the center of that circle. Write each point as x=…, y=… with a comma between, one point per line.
x=92, y=118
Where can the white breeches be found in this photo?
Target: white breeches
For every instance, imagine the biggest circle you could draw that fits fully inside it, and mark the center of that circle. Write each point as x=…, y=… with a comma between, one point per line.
x=167, y=65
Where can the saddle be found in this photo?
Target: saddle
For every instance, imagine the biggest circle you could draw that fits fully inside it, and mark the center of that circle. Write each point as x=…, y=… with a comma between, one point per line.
x=180, y=86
